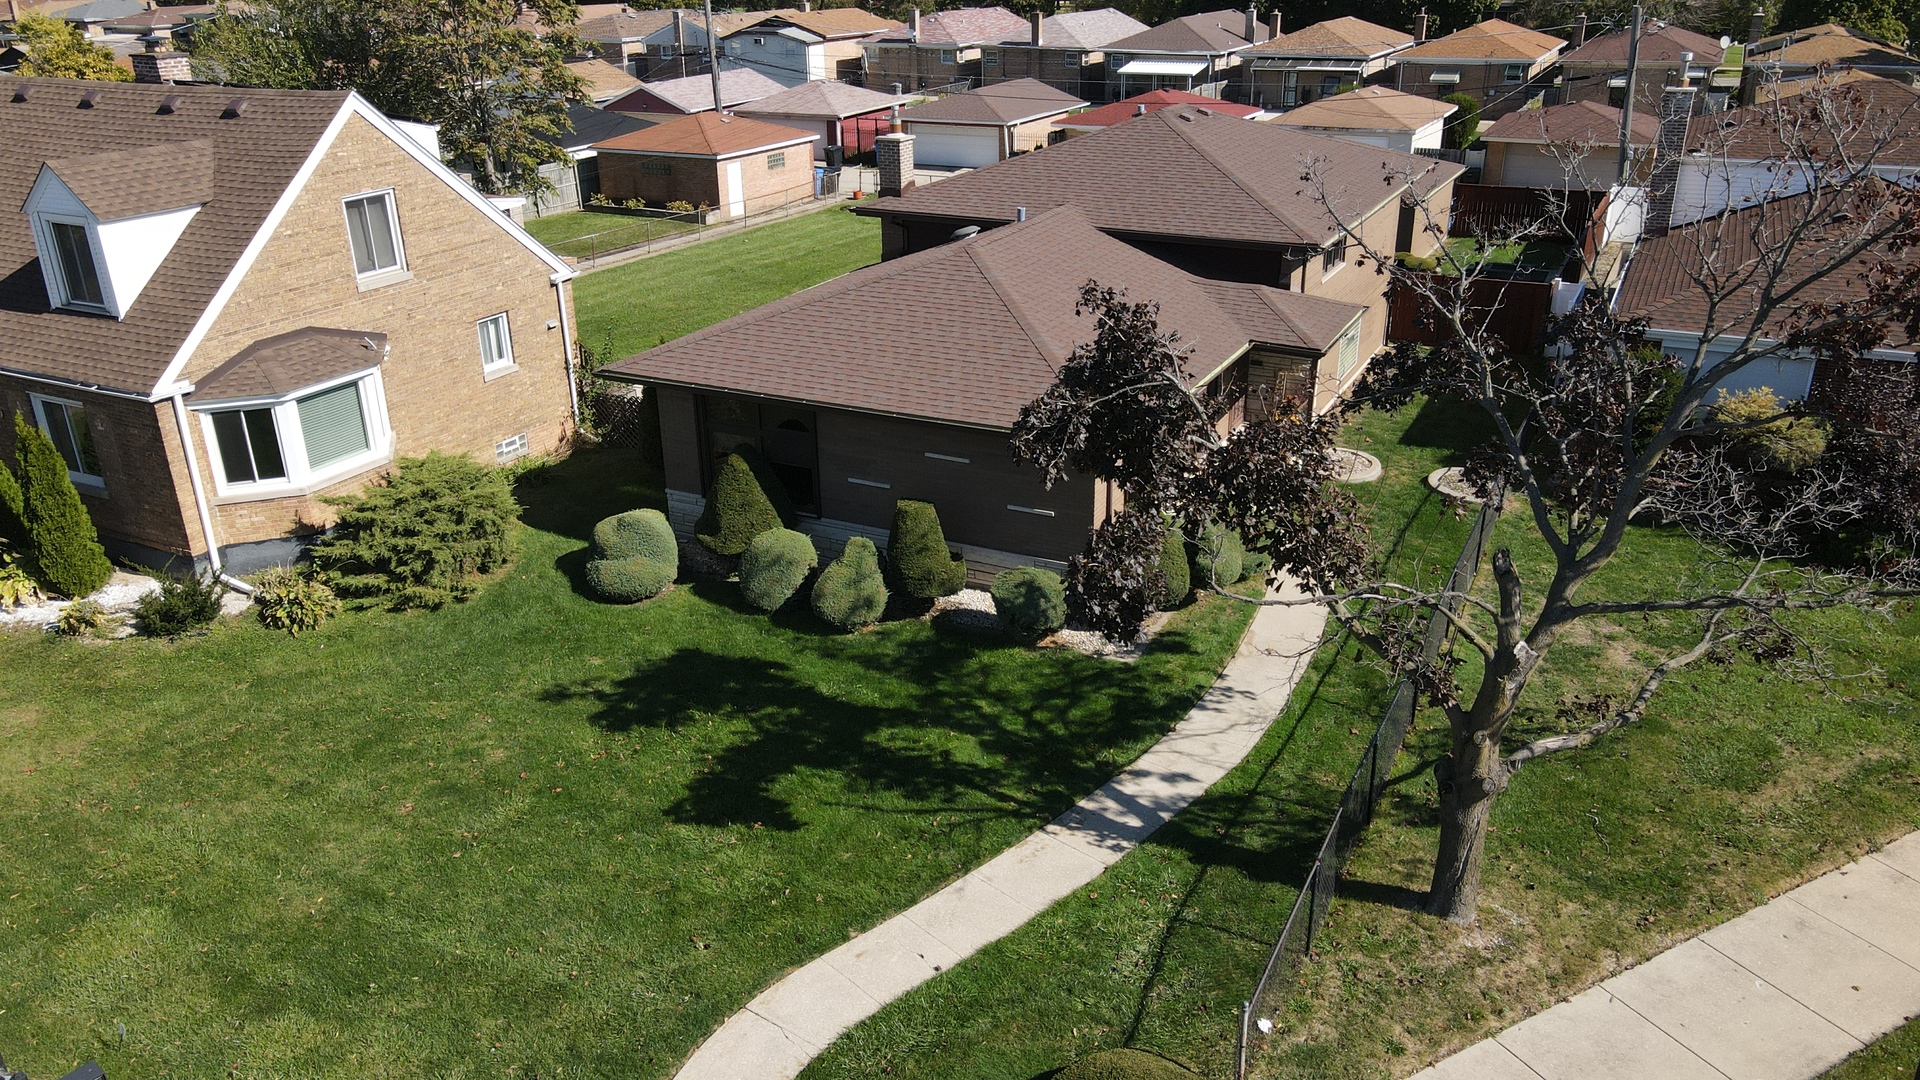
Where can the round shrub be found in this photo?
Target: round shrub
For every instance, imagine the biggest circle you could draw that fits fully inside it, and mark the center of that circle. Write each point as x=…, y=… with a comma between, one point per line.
x=1176, y=578
x=738, y=508
x=851, y=592
x=1125, y=1065
x=1030, y=602
x=291, y=601
x=60, y=535
x=629, y=580
x=918, y=561
x=774, y=567
x=635, y=557
x=1218, y=557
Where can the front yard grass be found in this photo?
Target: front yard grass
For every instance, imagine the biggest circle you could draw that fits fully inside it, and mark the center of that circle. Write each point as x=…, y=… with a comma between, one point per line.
x=1894, y=1056
x=1738, y=785
x=530, y=835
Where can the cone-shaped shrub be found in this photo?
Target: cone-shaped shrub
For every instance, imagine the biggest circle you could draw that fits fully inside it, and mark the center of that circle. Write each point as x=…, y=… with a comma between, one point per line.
x=1218, y=557
x=1030, y=602
x=13, y=519
x=738, y=508
x=918, y=561
x=774, y=567
x=851, y=592
x=1176, y=578
x=66, y=551
x=635, y=557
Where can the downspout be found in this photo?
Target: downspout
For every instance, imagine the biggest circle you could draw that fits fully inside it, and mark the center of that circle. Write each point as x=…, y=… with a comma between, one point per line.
x=566, y=342
x=200, y=496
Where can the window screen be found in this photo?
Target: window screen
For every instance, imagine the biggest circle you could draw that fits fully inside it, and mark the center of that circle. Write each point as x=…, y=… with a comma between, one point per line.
x=370, y=227
x=333, y=425
x=77, y=271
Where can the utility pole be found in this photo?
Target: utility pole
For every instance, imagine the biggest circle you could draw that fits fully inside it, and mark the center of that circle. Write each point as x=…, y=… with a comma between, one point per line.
x=1626, y=107
x=713, y=52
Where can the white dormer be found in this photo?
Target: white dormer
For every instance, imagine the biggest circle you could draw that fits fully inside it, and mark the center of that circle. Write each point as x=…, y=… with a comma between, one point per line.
x=103, y=223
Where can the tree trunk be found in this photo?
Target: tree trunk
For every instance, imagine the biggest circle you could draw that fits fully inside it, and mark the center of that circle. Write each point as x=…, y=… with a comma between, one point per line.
x=1469, y=780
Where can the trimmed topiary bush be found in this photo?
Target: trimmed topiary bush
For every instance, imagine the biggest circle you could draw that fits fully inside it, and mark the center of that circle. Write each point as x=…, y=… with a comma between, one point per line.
x=635, y=557
x=13, y=520
x=1255, y=566
x=420, y=536
x=918, y=562
x=1218, y=557
x=1126, y=1065
x=290, y=600
x=738, y=507
x=851, y=592
x=182, y=606
x=1176, y=577
x=66, y=552
x=774, y=567
x=1030, y=602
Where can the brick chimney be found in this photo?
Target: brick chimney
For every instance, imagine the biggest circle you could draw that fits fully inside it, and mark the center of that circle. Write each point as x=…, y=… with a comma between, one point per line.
x=1579, y=31
x=1420, y=26
x=1036, y=20
x=1273, y=24
x=161, y=66
x=1757, y=29
x=893, y=152
x=1253, y=22
x=1676, y=114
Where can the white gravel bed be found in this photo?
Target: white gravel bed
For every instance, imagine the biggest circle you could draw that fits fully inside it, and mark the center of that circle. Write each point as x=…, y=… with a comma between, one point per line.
x=973, y=609
x=118, y=596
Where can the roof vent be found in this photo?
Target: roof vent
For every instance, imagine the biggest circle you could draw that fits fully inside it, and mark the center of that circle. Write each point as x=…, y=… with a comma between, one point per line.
x=965, y=231
x=234, y=108
x=170, y=104
x=89, y=99
x=1140, y=110
x=1019, y=213
x=23, y=92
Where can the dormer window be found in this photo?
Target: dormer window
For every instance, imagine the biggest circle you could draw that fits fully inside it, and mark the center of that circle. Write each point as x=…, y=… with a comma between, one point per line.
x=98, y=234
x=79, y=274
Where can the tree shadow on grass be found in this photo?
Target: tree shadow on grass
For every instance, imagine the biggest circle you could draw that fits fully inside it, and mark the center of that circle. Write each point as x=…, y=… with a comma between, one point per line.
x=569, y=496
x=1445, y=425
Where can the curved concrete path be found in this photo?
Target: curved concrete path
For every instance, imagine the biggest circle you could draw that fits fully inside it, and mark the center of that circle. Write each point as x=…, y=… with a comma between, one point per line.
x=1784, y=992
x=793, y=1020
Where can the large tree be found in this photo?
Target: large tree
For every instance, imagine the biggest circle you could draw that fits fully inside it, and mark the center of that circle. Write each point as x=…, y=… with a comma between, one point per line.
x=497, y=88
x=1594, y=434
x=56, y=49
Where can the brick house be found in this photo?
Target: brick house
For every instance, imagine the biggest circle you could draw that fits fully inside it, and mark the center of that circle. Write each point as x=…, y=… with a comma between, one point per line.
x=734, y=164
x=1215, y=195
x=1198, y=53
x=986, y=125
x=1501, y=65
x=221, y=304
x=1065, y=51
x=1597, y=70
x=849, y=117
x=937, y=50
x=1316, y=61
x=957, y=339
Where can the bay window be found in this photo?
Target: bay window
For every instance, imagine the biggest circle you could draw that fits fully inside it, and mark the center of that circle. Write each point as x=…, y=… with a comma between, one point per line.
x=300, y=442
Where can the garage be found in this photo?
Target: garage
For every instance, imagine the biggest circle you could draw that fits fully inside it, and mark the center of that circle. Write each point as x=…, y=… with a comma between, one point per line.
x=955, y=145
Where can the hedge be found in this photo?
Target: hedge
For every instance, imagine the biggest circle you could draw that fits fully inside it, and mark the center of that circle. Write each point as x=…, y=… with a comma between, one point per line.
x=738, y=507
x=852, y=592
x=774, y=567
x=1030, y=602
x=918, y=561
x=65, y=550
x=635, y=557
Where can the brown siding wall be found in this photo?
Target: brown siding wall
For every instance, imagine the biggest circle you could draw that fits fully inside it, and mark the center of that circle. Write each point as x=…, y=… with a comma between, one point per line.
x=916, y=68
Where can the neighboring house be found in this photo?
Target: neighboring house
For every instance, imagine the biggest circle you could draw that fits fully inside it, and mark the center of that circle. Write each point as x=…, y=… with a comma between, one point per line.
x=1316, y=61
x=693, y=94
x=1212, y=194
x=936, y=50
x=603, y=81
x=793, y=47
x=848, y=117
x=621, y=37
x=1597, y=70
x=222, y=304
x=986, y=125
x=94, y=15
x=734, y=164
x=955, y=341
x=578, y=179
x=1560, y=146
x=1106, y=116
x=1374, y=116
x=1501, y=65
x=662, y=44
x=1196, y=53
x=1798, y=54
x=1065, y=51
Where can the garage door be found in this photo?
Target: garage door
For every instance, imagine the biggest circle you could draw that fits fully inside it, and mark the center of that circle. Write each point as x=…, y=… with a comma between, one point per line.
x=1534, y=166
x=955, y=147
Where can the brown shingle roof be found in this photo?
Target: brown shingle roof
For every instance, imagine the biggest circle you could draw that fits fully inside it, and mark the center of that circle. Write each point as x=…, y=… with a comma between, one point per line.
x=626, y=25
x=1183, y=172
x=968, y=332
x=604, y=80
x=961, y=26
x=1576, y=123
x=706, y=134
x=255, y=156
x=825, y=99
x=695, y=92
x=1865, y=106
x=1370, y=108
x=1345, y=36
x=833, y=23
x=287, y=362
x=1151, y=101
x=1828, y=43
x=126, y=183
x=1660, y=43
x=1000, y=103
x=1493, y=39
x=1207, y=32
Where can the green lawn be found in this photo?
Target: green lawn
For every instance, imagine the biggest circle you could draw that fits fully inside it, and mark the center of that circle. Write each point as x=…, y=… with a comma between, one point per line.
x=1895, y=1056
x=1737, y=785
x=531, y=835
x=583, y=233
x=634, y=306
x=1531, y=256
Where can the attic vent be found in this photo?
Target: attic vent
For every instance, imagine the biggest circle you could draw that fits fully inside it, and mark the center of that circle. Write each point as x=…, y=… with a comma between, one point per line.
x=964, y=231
x=170, y=104
x=89, y=99
x=22, y=93
x=234, y=108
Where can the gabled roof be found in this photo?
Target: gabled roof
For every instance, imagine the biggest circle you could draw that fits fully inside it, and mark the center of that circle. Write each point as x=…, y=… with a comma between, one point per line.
x=695, y=92
x=1369, y=108
x=1081, y=30
x=1011, y=102
x=1577, y=123
x=127, y=183
x=1660, y=43
x=836, y=23
x=96, y=11
x=706, y=134
x=604, y=81
x=1208, y=32
x=1346, y=37
x=825, y=99
x=1152, y=101
x=1869, y=106
x=959, y=26
x=287, y=362
x=625, y=25
x=1186, y=173
x=1491, y=40
x=1828, y=43
x=587, y=125
x=972, y=331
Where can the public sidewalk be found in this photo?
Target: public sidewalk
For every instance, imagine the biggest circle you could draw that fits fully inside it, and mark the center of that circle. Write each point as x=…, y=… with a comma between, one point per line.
x=1783, y=992
x=783, y=1029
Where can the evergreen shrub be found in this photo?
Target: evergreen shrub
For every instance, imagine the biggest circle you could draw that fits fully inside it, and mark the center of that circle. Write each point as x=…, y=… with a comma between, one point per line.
x=739, y=507
x=421, y=536
x=851, y=592
x=1218, y=557
x=1030, y=602
x=182, y=605
x=918, y=561
x=1176, y=577
x=774, y=567
x=60, y=539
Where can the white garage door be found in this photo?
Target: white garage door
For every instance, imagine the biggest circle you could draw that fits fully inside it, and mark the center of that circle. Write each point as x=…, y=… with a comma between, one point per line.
x=955, y=147
x=1534, y=166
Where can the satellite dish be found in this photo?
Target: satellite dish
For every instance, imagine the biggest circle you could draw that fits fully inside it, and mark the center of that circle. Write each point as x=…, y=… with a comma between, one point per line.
x=1725, y=41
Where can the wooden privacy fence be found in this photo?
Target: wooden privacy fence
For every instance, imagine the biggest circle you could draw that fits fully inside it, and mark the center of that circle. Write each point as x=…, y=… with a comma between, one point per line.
x=1489, y=210
x=1514, y=312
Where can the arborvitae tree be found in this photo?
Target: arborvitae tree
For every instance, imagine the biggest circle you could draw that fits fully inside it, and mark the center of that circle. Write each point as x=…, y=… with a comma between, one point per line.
x=1176, y=577
x=59, y=531
x=917, y=553
x=738, y=508
x=13, y=522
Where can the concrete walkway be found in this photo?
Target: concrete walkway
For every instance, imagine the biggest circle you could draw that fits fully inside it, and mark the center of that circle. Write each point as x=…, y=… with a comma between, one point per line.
x=783, y=1029
x=1783, y=992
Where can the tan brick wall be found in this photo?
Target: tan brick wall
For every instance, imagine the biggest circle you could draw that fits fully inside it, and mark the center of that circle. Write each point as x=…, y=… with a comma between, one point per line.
x=463, y=269
x=1487, y=83
x=1033, y=135
x=1358, y=282
x=767, y=188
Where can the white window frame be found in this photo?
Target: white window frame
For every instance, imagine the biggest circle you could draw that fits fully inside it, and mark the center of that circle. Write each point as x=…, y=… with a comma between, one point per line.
x=43, y=225
x=1328, y=267
x=385, y=275
x=1509, y=75
x=1348, y=360
x=504, y=365
x=80, y=478
x=948, y=57
x=300, y=478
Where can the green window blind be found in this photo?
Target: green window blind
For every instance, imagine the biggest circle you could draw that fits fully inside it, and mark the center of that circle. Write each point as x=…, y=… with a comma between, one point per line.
x=333, y=425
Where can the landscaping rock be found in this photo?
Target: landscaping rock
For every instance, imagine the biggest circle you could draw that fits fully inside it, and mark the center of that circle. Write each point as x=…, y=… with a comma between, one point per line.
x=118, y=596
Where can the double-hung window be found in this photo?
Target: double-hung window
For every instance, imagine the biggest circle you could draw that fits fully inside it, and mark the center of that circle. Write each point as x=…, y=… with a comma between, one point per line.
x=65, y=425
x=374, y=231
x=300, y=442
x=79, y=274
x=496, y=344
x=1333, y=256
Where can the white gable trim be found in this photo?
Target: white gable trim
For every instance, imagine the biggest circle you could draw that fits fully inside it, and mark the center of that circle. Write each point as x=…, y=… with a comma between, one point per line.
x=355, y=105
